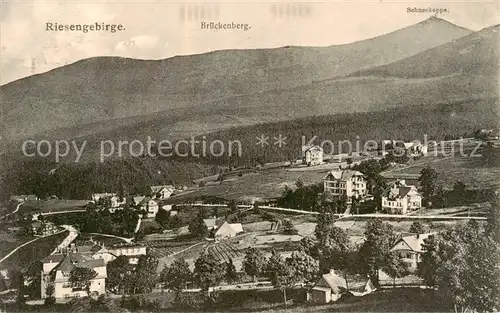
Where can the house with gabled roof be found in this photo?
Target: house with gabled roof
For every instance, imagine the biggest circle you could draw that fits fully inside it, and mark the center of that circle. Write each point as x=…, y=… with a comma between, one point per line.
x=409, y=247
x=213, y=222
x=138, y=199
x=112, y=197
x=162, y=192
x=346, y=183
x=400, y=198
x=57, y=268
x=149, y=205
x=131, y=251
x=312, y=155
x=331, y=286
x=227, y=230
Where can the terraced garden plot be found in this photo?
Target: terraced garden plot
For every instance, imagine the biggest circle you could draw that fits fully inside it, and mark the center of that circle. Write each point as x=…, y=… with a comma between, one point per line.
x=223, y=251
x=164, y=248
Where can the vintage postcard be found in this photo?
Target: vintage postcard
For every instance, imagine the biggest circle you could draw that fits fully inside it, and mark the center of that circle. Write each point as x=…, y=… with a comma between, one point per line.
x=249, y=156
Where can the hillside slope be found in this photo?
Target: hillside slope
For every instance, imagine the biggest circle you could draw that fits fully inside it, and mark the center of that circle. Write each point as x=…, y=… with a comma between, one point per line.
x=475, y=54
x=222, y=83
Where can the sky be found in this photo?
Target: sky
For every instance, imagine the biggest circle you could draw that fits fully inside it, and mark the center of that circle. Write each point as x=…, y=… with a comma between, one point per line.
x=162, y=29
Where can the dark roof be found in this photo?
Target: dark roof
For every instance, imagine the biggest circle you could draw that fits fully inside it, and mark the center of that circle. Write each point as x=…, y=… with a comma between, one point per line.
x=59, y=257
x=403, y=191
x=72, y=260
x=343, y=175
x=65, y=266
x=52, y=258
x=92, y=263
x=357, y=282
x=84, y=248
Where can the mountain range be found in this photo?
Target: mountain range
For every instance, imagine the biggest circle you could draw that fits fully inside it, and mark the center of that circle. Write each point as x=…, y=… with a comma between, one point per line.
x=430, y=62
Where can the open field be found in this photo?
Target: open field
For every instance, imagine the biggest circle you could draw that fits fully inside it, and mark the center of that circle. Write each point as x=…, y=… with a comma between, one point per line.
x=391, y=300
x=475, y=172
x=258, y=234
x=270, y=301
x=263, y=184
x=33, y=252
x=477, y=209
x=11, y=238
x=54, y=205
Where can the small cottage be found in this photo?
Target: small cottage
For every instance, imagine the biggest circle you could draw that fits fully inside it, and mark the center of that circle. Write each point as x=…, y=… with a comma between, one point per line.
x=330, y=287
x=227, y=230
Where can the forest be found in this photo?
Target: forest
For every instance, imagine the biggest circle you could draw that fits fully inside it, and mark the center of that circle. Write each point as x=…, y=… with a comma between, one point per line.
x=132, y=175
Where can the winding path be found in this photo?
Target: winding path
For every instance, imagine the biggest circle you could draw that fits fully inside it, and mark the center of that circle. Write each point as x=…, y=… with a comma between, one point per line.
x=27, y=243
x=13, y=212
x=392, y=216
x=127, y=240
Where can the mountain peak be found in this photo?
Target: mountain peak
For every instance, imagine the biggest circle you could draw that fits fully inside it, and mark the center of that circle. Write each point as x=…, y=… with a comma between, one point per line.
x=434, y=18
x=434, y=21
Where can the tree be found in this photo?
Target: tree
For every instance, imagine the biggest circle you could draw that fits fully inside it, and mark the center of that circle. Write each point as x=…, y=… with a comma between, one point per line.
x=176, y=276
x=417, y=227
x=288, y=227
x=337, y=252
x=117, y=271
x=163, y=218
x=198, y=227
x=208, y=272
x=459, y=187
x=459, y=191
x=231, y=275
x=233, y=206
x=121, y=190
x=81, y=277
x=305, y=268
x=371, y=169
x=379, y=238
x=15, y=277
x=431, y=258
x=310, y=247
x=440, y=199
x=253, y=262
x=144, y=276
x=174, y=222
x=463, y=264
x=325, y=222
x=280, y=273
x=49, y=292
x=427, y=179
x=394, y=266
x=355, y=204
